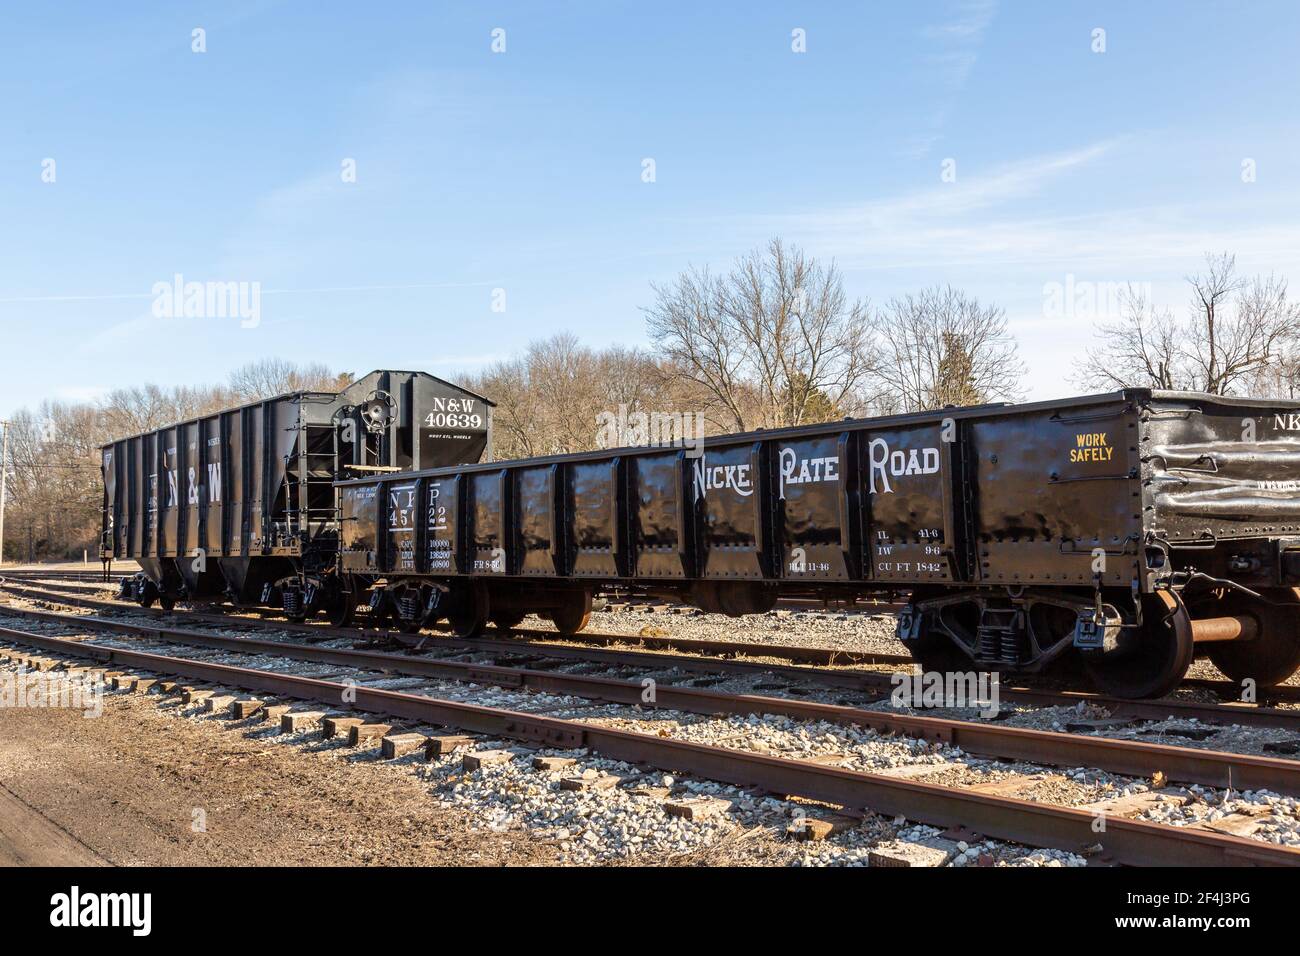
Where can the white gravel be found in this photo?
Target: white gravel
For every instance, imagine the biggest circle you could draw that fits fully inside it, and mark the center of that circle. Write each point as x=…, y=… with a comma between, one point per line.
x=846, y=630
x=1278, y=816
x=628, y=820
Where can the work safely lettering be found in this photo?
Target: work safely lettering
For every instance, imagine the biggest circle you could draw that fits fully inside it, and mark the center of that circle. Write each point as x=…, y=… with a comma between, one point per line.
x=1092, y=446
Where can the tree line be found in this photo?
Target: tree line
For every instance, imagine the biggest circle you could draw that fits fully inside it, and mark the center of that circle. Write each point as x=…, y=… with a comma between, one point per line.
x=1239, y=335
x=773, y=341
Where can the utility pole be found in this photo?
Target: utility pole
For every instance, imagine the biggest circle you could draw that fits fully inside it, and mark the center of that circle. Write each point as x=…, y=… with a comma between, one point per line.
x=4, y=471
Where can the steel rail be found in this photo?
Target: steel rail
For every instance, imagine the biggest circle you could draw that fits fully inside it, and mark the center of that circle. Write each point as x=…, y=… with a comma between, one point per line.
x=1021, y=821
x=1131, y=758
x=831, y=605
x=848, y=679
x=1250, y=715
x=820, y=656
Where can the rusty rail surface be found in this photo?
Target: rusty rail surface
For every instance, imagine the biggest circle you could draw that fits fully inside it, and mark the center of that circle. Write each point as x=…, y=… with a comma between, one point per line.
x=1251, y=715
x=1036, y=824
x=802, y=654
x=1127, y=757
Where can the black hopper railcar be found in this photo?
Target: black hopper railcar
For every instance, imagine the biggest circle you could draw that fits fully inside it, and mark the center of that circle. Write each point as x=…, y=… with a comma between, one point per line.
x=1124, y=532
x=241, y=505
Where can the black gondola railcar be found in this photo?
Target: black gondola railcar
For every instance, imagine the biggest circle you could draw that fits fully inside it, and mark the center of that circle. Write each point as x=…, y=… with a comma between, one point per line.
x=1129, y=531
x=241, y=504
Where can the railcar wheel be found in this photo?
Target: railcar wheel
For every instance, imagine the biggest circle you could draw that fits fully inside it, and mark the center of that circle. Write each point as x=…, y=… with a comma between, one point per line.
x=935, y=652
x=1151, y=661
x=342, y=608
x=147, y=594
x=1272, y=656
x=377, y=618
x=436, y=609
x=166, y=602
x=507, y=621
x=468, y=615
x=574, y=615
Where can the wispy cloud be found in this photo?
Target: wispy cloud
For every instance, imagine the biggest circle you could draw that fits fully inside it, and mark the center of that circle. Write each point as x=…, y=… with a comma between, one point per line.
x=952, y=51
x=900, y=221
x=967, y=23
x=112, y=296
x=992, y=219
x=973, y=193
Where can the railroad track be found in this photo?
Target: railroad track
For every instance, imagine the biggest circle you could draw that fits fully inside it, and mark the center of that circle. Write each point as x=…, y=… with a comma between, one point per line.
x=872, y=683
x=800, y=654
x=614, y=602
x=794, y=654
x=67, y=575
x=1209, y=768
x=1122, y=841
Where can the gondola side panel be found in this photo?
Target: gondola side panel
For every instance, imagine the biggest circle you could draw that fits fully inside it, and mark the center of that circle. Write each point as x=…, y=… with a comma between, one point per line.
x=488, y=523
x=535, y=517
x=191, y=481
x=212, y=486
x=660, y=515
x=359, y=527
x=812, y=506
x=908, y=533
x=237, y=482
x=403, y=499
x=443, y=524
x=728, y=503
x=594, y=518
x=1058, y=496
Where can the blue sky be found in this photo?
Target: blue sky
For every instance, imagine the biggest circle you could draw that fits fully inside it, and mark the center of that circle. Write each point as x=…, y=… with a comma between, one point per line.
x=522, y=170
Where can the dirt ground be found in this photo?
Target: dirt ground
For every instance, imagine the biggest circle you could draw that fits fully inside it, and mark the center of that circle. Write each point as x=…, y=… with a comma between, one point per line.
x=126, y=788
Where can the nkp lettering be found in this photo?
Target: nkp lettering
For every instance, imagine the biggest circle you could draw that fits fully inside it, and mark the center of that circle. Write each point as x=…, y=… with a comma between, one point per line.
x=885, y=463
x=715, y=477
x=796, y=471
x=793, y=470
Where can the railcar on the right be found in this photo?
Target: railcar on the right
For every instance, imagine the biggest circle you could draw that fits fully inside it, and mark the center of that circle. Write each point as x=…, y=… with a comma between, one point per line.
x=1204, y=497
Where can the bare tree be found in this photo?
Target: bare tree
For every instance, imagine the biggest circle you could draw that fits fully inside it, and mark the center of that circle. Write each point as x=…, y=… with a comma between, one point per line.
x=270, y=377
x=1266, y=343
x=54, y=471
x=1239, y=335
x=141, y=408
x=515, y=423
x=548, y=398
x=1279, y=379
x=1211, y=289
x=942, y=347
x=1141, y=349
x=771, y=342
x=55, y=459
